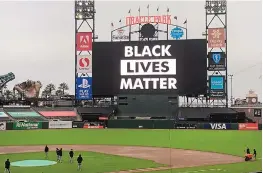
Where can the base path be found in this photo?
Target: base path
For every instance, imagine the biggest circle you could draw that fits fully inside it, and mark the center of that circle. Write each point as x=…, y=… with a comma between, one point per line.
x=174, y=158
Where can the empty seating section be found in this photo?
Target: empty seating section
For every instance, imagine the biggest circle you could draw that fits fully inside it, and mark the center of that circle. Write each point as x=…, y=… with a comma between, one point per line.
x=4, y=116
x=201, y=113
x=27, y=114
x=249, y=113
x=94, y=113
x=66, y=114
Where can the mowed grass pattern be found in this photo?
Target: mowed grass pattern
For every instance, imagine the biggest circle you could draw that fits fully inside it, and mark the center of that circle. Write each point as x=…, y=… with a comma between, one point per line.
x=228, y=142
x=93, y=163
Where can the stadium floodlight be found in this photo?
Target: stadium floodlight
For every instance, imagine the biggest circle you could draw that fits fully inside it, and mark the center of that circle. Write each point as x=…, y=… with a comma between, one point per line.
x=215, y=6
x=84, y=9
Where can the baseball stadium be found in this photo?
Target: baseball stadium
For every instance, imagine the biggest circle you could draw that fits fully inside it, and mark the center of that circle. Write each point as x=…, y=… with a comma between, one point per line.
x=149, y=100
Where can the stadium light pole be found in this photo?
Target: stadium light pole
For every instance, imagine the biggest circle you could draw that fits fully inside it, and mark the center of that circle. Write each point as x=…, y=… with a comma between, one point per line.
x=231, y=80
x=84, y=22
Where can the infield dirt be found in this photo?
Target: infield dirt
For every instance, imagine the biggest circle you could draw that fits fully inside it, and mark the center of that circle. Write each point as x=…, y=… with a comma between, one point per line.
x=174, y=158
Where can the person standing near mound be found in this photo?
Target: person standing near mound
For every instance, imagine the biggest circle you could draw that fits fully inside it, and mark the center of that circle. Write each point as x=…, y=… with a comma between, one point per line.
x=255, y=154
x=46, y=151
x=71, y=155
x=79, y=159
x=57, y=152
x=248, y=150
x=60, y=155
x=7, y=166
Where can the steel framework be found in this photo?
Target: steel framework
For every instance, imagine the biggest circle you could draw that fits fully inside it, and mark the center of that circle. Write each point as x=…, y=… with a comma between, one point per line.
x=156, y=35
x=84, y=15
x=217, y=10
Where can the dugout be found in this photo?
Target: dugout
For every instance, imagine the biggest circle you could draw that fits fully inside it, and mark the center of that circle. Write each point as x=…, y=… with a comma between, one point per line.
x=95, y=114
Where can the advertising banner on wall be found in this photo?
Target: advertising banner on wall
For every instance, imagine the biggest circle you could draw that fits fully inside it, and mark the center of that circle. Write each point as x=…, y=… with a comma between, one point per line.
x=216, y=38
x=89, y=126
x=217, y=86
x=84, y=41
x=248, y=126
x=218, y=126
x=84, y=64
x=60, y=124
x=120, y=35
x=216, y=61
x=185, y=126
x=84, y=88
x=2, y=126
x=77, y=124
x=27, y=125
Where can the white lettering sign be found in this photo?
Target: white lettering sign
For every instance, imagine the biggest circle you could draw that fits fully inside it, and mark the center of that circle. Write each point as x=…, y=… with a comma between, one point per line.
x=148, y=67
x=148, y=83
x=157, y=51
x=218, y=126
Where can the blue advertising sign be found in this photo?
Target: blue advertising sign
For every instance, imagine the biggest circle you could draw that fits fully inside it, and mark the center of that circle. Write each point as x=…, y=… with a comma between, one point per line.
x=217, y=83
x=216, y=57
x=177, y=33
x=216, y=61
x=217, y=86
x=84, y=88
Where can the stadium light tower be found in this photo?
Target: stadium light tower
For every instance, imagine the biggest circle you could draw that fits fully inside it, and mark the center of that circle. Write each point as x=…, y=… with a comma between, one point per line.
x=216, y=36
x=84, y=9
x=84, y=36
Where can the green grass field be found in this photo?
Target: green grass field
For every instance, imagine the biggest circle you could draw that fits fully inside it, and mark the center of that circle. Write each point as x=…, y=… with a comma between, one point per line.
x=94, y=162
x=228, y=142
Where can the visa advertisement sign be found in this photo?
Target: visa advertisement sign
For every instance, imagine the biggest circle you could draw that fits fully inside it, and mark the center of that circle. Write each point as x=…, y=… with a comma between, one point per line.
x=218, y=126
x=84, y=88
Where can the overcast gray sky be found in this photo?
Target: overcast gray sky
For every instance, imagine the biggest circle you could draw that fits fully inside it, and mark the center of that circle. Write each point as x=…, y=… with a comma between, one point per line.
x=37, y=38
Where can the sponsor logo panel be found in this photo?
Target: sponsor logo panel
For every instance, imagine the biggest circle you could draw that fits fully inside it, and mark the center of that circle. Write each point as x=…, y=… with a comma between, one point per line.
x=216, y=61
x=84, y=88
x=84, y=41
x=248, y=126
x=27, y=125
x=84, y=64
x=216, y=38
x=60, y=124
x=218, y=126
x=217, y=86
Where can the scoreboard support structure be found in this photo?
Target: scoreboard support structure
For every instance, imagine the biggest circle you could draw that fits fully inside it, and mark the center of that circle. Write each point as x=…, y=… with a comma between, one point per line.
x=84, y=24
x=216, y=36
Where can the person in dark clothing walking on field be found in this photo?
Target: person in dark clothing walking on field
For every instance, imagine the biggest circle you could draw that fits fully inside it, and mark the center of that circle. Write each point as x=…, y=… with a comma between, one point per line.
x=60, y=155
x=71, y=155
x=46, y=151
x=79, y=159
x=57, y=152
x=248, y=150
x=7, y=166
x=255, y=154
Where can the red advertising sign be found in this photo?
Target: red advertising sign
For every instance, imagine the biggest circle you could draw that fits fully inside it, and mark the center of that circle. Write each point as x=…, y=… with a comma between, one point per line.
x=163, y=19
x=216, y=38
x=86, y=126
x=248, y=126
x=103, y=118
x=84, y=41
